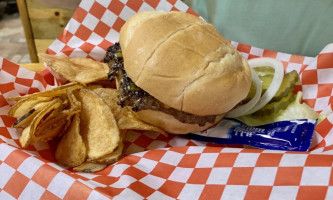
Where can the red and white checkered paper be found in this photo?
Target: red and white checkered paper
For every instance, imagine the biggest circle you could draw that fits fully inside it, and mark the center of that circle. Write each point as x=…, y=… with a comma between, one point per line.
x=158, y=167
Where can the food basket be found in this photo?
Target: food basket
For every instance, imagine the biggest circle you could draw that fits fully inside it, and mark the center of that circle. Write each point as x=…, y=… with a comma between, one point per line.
x=155, y=166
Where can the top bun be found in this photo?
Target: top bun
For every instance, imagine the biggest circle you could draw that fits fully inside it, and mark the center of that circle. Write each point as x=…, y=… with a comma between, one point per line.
x=184, y=62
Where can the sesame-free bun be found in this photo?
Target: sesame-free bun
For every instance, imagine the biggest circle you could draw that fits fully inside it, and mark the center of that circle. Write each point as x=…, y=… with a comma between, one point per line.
x=184, y=62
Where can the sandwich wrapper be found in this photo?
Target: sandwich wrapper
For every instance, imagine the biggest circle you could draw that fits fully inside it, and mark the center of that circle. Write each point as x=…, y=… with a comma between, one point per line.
x=158, y=167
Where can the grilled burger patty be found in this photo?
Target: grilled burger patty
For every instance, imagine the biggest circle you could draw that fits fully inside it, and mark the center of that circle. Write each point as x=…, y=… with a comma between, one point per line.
x=133, y=96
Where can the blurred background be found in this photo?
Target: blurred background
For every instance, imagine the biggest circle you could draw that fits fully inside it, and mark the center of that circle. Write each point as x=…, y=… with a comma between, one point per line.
x=43, y=20
x=30, y=26
x=12, y=40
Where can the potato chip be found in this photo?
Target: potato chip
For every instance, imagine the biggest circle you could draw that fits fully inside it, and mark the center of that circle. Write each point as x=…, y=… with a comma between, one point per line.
x=71, y=150
x=59, y=119
x=28, y=136
x=54, y=92
x=125, y=117
x=51, y=128
x=93, y=86
x=25, y=105
x=80, y=115
x=68, y=123
x=40, y=106
x=98, y=127
x=57, y=111
x=75, y=107
x=25, y=119
x=82, y=70
x=90, y=167
x=114, y=156
x=28, y=117
x=74, y=103
x=110, y=158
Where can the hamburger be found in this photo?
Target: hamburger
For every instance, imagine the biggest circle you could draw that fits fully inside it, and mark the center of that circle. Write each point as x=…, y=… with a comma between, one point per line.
x=176, y=71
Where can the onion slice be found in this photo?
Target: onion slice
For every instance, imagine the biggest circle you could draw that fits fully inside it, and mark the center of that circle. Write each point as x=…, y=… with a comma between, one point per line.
x=242, y=109
x=275, y=84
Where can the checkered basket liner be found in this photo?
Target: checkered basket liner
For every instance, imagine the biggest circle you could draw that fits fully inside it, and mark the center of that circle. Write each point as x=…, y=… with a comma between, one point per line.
x=158, y=167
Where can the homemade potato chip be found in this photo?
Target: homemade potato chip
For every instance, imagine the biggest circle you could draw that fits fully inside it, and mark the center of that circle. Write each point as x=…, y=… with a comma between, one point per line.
x=82, y=70
x=93, y=86
x=75, y=105
x=54, y=92
x=110, y=158
x=58, y=110
x=124, y=116
x=51, y=128
x=83, y=114
x=114, y=156
x=98, y=127
x=68, y=123
x=59, y=119
x=26, y=136
x=27, y=118
x=42, y=105
x=28, y=133
x=90, y=136
x=71, y=150
x=25, y=105
x=90, y=167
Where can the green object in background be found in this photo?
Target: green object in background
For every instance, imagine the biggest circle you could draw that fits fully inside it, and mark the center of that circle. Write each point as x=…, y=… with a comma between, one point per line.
x=302, y=27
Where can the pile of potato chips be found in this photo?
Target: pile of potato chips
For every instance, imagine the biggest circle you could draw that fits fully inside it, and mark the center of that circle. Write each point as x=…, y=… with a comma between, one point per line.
x=83, y=114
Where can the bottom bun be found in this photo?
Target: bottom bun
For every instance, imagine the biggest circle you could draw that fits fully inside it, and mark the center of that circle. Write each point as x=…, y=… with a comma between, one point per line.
x=170, y=124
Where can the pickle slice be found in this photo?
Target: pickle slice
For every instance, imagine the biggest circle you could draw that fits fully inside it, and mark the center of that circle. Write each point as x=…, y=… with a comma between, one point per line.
x=274, y=107
x=265, y=82
x=289, y=81
x=266, y=75
x=264, y=71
